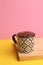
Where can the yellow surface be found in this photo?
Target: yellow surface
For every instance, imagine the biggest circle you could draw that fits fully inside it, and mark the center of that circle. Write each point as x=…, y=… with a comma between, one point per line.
x=8, y=55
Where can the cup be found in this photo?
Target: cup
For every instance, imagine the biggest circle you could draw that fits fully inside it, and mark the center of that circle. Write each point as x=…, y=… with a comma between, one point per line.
x=24, y=41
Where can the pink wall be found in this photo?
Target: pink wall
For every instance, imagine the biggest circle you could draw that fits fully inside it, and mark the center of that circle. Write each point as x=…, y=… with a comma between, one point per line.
x=19, y=15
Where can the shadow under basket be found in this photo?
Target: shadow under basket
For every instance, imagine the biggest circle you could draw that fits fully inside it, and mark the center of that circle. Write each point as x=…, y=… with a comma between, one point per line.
x=36, y=54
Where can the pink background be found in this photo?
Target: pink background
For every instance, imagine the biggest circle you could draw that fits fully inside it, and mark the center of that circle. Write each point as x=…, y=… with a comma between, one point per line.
x=19, y=15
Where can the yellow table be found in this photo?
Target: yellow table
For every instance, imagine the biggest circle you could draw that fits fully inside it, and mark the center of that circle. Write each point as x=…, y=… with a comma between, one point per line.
x=8, y=55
